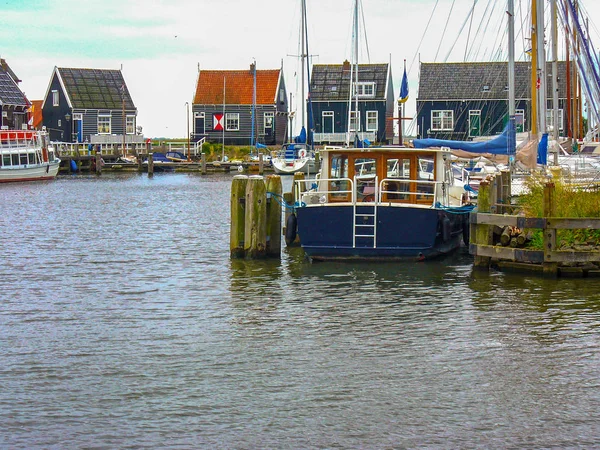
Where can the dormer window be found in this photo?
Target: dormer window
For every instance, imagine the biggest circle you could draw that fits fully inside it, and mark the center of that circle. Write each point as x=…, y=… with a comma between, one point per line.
x=364, y=89
x=486, y=88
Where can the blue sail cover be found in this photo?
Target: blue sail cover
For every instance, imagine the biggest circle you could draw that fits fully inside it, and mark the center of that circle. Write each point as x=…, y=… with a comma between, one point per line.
x=497, y=146
x=301, y=138
x=542, y=153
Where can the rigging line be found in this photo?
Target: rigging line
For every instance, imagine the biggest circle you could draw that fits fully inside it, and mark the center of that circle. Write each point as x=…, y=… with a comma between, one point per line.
x=478, y=32
x=458, y=34
x=469, y=33
x=485, y=28
x=444, y=32
x=362, y=14
x=423, y=36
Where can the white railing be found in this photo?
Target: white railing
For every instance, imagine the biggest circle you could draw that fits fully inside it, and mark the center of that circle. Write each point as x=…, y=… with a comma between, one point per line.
x=341, y=138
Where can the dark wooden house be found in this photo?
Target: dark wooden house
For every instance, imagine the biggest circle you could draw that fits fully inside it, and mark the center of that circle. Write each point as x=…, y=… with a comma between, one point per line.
x=462, y=101
x=330, y=100
x=89, y=105
x=225, y=100
x=13, y=103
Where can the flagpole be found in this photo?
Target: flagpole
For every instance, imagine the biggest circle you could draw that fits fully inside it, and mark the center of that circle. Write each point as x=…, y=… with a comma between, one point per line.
x=223, y=150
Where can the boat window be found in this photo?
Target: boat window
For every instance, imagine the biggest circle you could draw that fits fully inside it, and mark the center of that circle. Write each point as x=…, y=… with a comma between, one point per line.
x=397, y=169
x=365, y=171
x=23, y=158
x=6, y=160
x=340, y=189
x=426, y=173
x=15, y=159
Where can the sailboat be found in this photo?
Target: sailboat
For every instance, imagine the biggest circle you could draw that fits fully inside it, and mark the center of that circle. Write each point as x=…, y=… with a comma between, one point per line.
x=299, y=156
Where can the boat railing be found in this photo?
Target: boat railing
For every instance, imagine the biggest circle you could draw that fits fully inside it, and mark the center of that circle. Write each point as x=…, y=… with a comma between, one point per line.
x=390, y=191
x=333, y=186
x=18, y=139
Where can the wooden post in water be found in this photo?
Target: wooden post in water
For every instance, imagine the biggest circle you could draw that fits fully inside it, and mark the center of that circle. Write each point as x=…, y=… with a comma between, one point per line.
x=238, y=212
x=482, y=234
x=274, y=191
x=203, y=163
x=260, y=164
x=150, y=164
x=255, y=235
x=98, y=164
x=550, y=268
x=140, y=165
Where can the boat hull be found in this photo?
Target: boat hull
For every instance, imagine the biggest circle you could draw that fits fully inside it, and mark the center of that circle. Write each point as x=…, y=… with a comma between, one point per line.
x=402, y=232
x=282, y=166
x=36, y=172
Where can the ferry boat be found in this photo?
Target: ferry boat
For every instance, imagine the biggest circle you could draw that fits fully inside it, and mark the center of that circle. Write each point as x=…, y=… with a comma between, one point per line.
x=383, y=203
x=26, y=156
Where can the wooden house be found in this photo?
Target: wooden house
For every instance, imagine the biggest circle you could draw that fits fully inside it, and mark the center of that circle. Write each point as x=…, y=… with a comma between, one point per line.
x=330, y=100
x=225, y=100
x=13, y=103
x=89, y=105
x=461, y=101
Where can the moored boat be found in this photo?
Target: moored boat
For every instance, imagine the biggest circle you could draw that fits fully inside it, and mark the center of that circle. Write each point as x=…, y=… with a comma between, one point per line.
x=379, y=204
x=26, y=156
x=294, y=157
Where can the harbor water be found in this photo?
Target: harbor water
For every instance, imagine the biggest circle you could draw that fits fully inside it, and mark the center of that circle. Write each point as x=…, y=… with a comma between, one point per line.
x=124, y=324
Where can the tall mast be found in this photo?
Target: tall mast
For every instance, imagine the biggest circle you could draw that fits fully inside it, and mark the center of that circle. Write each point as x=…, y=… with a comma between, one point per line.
x=555, y=122
x=541, y=62
x=303, y=55
x=356, y=118
x=511, y=77
x=534, y=71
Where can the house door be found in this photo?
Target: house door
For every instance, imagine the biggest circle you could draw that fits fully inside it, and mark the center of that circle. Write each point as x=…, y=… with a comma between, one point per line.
x=78, y=126
x=268, y=126
x=520, y=120
x=199, y=124
x=474, y=123
x=327, y=121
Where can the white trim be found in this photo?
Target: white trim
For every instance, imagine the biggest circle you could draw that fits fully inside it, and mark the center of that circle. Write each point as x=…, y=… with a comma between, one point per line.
x=376, y=120
x=442, y=117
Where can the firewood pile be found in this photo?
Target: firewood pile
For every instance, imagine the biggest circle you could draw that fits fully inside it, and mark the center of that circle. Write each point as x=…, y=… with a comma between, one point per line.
x=510, y=236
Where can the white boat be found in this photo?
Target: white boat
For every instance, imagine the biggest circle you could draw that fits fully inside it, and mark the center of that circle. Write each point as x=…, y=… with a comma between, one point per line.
x=26, y=156
x=294, y=158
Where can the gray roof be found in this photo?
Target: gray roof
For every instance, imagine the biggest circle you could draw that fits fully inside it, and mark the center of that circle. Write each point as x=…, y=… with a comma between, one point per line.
x=331, y=82
x=468, y=81
x=10, y=94
x=96, y=88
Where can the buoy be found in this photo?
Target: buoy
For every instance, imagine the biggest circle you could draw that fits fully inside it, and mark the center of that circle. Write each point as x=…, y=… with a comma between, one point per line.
x=73, y=166
x=291, y=230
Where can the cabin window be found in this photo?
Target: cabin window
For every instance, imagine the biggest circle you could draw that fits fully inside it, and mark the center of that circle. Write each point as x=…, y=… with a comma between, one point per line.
x=15, y=159
x=550, y=118
x=442, y=120
x=130, y=125
x=395, y=187
x=232, y=122
x=55, y=98
x=23, y=159
x=339, y=183
x=103, y=124
x=364, y=89
x=365, y=173
x=6, y=160
x=371, y=120
x=268, y=125
x=354, y=123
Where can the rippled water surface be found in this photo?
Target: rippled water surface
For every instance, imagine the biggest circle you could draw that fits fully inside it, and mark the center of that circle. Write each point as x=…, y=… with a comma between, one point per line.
x=124, y=324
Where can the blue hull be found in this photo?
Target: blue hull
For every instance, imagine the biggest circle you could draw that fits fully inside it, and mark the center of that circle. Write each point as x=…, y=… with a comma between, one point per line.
x=326, y=232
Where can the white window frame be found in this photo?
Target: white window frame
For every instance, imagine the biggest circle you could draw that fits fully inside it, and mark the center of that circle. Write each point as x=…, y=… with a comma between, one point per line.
x=474, y=112
x=550, y=118
x=520, y=113
x=353, y=121
x=55, y=98
x=77, y=116
x=364, y=89
x=372, y=120
x=130, y=124
x=445, y=117
x=200, y=115
x=106, y=127
x=328, y=115
x=232, y=121
x=269, y=116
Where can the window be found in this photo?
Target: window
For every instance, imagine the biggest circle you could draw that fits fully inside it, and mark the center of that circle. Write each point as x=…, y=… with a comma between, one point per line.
x=364, y=89
x=442, y=120
x=328, y=119
x=371, y=120
x=520, y=120
x=268, y=125
x=55, y=98
x=353, y=121
x=130, y=125
x=281, y=95
x=59, y=123
x=104, y=124
x=232, y=122
x=550, y=119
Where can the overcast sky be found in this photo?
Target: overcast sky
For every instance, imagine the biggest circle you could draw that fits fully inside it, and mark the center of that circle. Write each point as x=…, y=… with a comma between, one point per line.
x=161, y=43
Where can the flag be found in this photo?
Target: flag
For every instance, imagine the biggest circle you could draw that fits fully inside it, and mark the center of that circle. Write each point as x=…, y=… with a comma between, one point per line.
x=218, y=122
x=31, y=111
x=404, y=88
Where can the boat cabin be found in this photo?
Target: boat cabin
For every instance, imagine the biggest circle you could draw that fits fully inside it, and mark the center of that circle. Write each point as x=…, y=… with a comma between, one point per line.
x=389, y=175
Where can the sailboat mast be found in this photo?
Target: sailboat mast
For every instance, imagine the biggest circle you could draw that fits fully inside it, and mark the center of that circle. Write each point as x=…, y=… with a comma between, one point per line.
x=303, y=55
x=511, y=77
x=356, y=119
x=534, y=71
x=555, y=121
x=541, y=61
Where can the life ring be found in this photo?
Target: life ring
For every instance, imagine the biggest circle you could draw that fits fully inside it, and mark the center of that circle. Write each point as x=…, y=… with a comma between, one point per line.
x=291, y=229
x=446, y=232
x=302, y=153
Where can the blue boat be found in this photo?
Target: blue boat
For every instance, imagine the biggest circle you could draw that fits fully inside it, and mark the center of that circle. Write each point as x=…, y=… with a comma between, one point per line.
x=386, y=203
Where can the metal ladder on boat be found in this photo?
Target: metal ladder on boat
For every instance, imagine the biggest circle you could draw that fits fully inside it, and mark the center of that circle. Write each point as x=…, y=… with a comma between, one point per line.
x=365, y=220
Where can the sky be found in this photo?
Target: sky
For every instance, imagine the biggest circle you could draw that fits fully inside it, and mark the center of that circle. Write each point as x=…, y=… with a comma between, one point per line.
x=161, y=44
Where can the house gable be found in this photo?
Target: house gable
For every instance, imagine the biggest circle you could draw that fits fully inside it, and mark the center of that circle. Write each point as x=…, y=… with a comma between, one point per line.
x=331, y=82
x=10, y=94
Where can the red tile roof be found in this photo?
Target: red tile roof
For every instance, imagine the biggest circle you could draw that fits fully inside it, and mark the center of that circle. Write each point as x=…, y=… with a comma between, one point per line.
x=239, y=85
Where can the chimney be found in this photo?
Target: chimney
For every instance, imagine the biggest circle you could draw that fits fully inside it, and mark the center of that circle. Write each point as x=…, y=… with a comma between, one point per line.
x=252, y=68
x=346, y=66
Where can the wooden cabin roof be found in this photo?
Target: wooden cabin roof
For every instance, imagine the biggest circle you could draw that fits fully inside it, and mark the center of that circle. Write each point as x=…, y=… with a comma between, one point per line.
x=331, y=82
x=468, y=81
x=239, y=87
x=96, y=88
x=10, y=93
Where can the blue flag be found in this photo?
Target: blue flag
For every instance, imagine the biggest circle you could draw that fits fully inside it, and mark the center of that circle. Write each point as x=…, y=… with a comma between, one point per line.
x=404, y=88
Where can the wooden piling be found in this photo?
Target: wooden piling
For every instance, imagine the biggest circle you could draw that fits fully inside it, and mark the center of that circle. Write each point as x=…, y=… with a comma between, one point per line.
x=482, y=234
x=238, y=211
x=550, y=268
x=203, y=163
x=255, y=227
x=140, y=165
x=274, y=192
x=261, y=167
x=150, y=164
